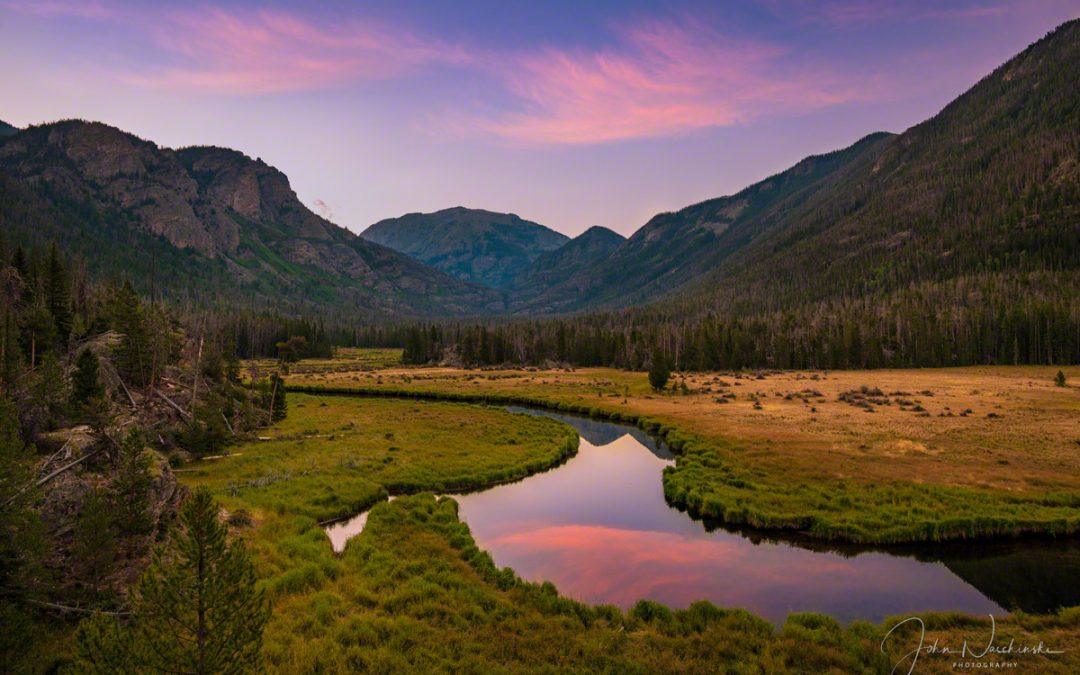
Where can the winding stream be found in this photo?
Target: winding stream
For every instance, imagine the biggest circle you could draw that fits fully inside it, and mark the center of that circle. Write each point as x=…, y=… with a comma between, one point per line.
x=598, y=527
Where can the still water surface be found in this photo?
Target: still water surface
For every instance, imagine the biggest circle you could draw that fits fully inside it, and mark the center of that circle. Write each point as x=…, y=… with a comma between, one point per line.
x=598, y=527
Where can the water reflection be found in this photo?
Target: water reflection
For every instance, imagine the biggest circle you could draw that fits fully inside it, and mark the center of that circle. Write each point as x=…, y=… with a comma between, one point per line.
x=598, y=527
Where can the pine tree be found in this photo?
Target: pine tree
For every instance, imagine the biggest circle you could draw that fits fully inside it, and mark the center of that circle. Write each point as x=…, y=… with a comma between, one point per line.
x=1059, y=379
x=196, y=608
x=86, y=383
x=278, y=408
x=50, y=396
x=133, y=355
x=659, y=373
x=58, y=294
x=22, y=540
x=11, y=364
x=131, y=487
x=95, y=537
x=207, y=433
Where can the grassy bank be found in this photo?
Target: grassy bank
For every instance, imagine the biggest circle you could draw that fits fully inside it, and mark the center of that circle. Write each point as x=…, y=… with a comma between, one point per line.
x=867, y=457
x=334, y=456
x=413, y=593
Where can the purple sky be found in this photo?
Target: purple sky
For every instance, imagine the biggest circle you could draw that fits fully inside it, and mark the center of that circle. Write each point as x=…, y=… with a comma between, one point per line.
x=568, y=115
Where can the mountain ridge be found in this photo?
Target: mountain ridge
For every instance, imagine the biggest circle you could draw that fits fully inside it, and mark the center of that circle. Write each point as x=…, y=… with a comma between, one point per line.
x=475, y=245
x=238, y=215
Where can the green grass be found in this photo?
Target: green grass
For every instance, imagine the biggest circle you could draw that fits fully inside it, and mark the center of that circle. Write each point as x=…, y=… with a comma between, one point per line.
x=335, y=456
x=413, y=593
x=712, y=479
x=709, y=481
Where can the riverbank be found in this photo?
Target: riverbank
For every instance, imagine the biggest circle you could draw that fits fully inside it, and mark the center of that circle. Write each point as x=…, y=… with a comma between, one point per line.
x=414, y=593
x=858, y=456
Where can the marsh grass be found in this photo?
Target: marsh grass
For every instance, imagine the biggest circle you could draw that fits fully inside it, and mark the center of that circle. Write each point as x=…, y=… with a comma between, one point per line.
x=717, y=478
x=414, y=593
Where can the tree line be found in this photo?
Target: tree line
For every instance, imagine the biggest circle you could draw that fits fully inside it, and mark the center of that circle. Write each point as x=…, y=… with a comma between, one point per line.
x=989, y=319
x=130, y=383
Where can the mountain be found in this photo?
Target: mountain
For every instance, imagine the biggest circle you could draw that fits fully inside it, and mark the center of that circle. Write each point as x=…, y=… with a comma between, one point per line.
x=471, y=244
x=673, y=249
x=7, y=130
x=991, y=184
x=206, y=224
x=552, y=268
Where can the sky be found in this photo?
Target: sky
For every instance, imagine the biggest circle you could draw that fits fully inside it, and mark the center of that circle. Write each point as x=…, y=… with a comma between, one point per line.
x=571, y=113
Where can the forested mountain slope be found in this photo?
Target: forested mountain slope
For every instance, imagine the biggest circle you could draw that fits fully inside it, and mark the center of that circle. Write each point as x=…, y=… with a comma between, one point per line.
x=205, y=224
x=560, y=267
x=673, y=249
x=471, y=244
x=954, y=243
x=990, y=183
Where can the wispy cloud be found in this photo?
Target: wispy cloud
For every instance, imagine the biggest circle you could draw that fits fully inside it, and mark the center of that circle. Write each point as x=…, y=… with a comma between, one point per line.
x=88, y=9
x=214, y=50
x=324, y=209
x=862, y=13
x=662, y=78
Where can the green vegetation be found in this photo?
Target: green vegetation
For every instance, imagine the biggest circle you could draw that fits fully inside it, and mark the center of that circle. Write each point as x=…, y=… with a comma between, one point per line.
x=718, y=478
x=86, y=386
x=335, y=456
x=659, y=372
x=196, y=608
x=21, y=539
x=710, y=481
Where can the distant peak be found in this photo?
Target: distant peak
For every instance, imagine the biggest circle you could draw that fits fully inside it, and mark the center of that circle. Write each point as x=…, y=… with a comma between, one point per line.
x=600, y=231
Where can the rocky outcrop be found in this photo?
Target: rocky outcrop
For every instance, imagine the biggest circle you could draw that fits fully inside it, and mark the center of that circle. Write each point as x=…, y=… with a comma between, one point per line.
x=222, y=205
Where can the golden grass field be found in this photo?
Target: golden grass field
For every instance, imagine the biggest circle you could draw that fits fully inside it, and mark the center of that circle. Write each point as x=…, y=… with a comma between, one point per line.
x=1032, y=441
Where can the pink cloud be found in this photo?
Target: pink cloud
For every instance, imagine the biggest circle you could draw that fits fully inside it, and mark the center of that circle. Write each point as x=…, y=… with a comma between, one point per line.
x=662, y=79
x=218, y=51
x=861, y=13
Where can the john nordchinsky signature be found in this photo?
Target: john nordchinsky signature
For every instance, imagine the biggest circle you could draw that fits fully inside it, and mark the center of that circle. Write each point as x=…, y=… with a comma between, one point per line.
x=965, y=651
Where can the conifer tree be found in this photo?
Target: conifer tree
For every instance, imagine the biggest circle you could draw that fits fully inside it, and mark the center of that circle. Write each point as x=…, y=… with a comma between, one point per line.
x=11, y=363
x=22, y=541
x=95, y=537
x=659, y=373
x=131, y=487
x=49, y=396
x=133, y=357
x=196, y=608
x=58, y=294
x=278, y=407
x=86, y=383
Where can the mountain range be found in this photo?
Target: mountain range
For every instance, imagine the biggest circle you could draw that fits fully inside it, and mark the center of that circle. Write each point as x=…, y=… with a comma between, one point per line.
x=990, y=185
x=205, y=224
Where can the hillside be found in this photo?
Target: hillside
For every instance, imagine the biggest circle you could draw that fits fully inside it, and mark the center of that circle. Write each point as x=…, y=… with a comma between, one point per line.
x=573, y=259
x=673, y=249
x=471, y=244
x=7, y=129
x=989, y=185
x=205, y=224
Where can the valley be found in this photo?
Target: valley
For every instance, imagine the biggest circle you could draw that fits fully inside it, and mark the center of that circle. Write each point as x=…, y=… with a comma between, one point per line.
x=825, y=421
x=416, y=568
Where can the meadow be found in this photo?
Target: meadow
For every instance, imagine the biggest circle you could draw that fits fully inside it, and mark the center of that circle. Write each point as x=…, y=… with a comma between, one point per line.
x=882, y=456
x=413, y=593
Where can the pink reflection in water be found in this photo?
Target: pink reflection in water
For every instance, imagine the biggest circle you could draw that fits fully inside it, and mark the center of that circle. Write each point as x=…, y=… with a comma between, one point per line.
x=600, y=530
